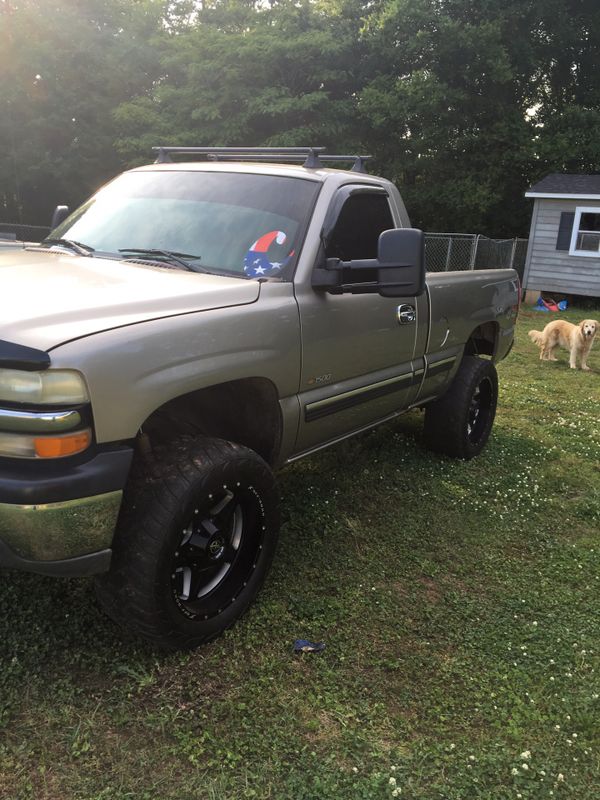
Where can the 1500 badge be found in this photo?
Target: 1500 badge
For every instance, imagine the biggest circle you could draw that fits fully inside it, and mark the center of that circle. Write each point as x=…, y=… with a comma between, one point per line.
x=320, y=379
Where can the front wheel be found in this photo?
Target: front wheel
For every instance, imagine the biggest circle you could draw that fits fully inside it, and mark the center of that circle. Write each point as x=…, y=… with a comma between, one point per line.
x=459, y=423
x=194, y=543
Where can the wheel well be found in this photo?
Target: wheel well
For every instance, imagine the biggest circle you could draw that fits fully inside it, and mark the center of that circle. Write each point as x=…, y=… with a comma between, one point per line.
x=484, y=340
x=245, y=411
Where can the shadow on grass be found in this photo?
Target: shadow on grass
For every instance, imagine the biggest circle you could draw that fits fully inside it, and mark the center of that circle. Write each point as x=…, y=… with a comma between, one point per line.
x=54, y=619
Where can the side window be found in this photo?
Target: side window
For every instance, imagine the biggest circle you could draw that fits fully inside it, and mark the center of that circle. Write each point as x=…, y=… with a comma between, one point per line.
x=586, y=240
x=356, y=234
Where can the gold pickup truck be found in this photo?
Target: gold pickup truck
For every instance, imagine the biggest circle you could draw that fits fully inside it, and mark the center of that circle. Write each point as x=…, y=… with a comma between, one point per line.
x=192, y=327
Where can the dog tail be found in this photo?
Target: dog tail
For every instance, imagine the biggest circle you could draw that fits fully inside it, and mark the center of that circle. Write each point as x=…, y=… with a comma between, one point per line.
x=536, y=336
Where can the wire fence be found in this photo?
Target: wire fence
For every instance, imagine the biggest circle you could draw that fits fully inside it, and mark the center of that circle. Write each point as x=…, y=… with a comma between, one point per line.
x=451, y=252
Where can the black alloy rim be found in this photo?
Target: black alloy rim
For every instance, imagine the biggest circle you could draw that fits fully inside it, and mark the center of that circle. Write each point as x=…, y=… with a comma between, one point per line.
x=479, y=410
x=217, y=552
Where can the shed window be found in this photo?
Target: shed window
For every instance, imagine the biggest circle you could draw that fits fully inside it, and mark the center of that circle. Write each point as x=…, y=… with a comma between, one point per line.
x=585, y=237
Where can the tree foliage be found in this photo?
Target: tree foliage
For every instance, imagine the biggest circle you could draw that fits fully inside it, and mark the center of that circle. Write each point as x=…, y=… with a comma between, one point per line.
x=65, y=66
x=462, y=102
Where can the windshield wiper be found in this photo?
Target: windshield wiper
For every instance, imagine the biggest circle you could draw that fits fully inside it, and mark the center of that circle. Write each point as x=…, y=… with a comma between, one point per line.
x=170, y=255
x=78, y=247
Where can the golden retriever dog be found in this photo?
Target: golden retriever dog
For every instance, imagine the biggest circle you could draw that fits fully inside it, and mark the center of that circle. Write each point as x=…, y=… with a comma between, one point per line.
x=577, y=339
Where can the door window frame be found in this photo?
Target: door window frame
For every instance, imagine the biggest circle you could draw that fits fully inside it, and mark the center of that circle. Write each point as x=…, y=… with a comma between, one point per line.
x=343, y=195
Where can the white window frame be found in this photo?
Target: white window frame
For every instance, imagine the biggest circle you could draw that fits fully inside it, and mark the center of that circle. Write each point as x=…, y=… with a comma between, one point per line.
x=575, y=232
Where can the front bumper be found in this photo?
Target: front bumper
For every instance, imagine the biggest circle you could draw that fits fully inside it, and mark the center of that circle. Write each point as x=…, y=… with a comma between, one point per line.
x=62, y=521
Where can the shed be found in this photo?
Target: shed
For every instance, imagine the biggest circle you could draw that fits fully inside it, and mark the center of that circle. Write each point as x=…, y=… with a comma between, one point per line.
x=563, y=254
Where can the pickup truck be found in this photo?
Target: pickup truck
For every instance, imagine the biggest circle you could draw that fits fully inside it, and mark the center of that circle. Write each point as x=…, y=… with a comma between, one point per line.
x=191, y=328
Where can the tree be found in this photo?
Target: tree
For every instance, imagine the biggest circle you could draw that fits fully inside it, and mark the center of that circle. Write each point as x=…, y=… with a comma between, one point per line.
x=464, y=103
x=475, y=100
x=65, y=65
x=245, y=74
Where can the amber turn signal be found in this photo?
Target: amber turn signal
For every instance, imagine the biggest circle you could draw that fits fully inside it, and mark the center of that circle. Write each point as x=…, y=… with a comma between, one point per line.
x=59, y=446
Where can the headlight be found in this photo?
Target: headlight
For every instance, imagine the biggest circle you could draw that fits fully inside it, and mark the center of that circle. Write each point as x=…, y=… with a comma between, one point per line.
x=43, y=388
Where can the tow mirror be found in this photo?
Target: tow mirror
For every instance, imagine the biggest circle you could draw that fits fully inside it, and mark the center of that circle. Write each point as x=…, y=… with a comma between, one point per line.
x=401, y=257
x=60, y=214
x=398, y=270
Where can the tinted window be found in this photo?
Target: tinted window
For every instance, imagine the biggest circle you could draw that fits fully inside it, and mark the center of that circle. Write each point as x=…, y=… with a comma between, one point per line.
x=362, y=218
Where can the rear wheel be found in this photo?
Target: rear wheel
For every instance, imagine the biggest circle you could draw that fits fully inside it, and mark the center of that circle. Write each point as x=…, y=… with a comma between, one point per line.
x=459, y=423
x=194, y=544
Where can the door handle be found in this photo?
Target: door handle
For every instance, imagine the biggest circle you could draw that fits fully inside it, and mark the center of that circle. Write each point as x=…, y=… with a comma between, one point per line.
x=407, y=314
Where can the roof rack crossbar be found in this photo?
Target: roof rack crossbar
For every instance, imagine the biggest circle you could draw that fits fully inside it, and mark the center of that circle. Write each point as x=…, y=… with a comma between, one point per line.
x=310, y=157
x=291, y=159
x=358, y=165
x=311, y=154
x=359, y=161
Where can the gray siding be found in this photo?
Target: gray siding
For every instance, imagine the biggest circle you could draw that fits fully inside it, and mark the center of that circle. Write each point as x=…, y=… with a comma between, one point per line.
x=549, y=269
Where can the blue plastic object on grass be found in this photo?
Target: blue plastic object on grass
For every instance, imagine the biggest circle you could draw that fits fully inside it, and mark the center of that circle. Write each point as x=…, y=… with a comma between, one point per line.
x=304, y=646
x=563, y=305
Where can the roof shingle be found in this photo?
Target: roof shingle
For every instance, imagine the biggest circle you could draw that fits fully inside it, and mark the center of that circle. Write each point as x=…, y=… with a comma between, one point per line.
x=559, y=183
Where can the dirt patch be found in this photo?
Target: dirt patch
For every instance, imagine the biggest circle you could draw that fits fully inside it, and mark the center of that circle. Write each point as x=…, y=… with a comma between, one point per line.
x=432, y=591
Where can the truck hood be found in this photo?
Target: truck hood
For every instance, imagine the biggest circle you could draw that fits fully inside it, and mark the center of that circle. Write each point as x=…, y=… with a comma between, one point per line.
x=48, y=297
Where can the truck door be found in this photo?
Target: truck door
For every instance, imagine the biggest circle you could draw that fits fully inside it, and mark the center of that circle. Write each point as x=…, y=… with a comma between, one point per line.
x=357, y=349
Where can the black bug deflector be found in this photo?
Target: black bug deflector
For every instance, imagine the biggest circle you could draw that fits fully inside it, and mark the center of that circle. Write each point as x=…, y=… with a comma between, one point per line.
x=17, y=356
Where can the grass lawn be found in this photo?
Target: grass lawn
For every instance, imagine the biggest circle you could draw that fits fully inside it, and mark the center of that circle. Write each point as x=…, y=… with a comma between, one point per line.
x=460, y=605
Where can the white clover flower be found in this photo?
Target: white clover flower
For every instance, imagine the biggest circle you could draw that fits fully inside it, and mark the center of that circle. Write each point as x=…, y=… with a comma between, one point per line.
x=397, y=792
x=392, y=781
x=573, y=736
x=471, y=758
x=355, y=769
x=525, y=754
x=524, y=766
x=514, y=771
x=557, y=727
x=560, y=777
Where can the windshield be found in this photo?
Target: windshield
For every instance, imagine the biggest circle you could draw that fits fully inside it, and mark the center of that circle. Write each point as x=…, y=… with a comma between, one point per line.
x=238, y=223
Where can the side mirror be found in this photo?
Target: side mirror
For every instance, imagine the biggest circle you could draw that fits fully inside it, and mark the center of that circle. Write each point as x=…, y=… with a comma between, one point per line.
x=401, y=257
x=60, y=214
x=398, y=270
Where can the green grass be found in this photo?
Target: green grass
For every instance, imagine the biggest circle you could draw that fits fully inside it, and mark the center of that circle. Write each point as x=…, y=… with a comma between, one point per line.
x=460, y=605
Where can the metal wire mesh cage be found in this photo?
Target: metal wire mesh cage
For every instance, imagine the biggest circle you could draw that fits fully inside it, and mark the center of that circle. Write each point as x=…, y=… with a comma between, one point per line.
x=450, y=252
